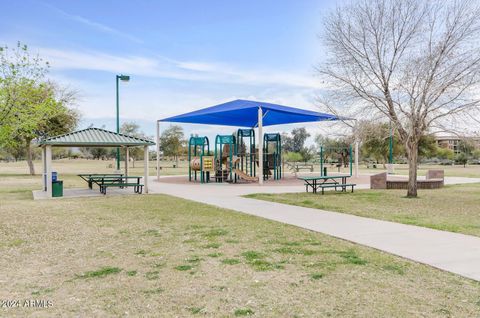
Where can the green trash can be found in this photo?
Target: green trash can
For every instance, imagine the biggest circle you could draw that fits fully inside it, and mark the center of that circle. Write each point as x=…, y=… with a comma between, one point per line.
x=57, y=188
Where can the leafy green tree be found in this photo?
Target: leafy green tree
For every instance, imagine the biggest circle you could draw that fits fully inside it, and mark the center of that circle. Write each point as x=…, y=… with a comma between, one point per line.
x=18, y=70
x=287, y=142
x=295, y=143
x=462, y=159
x=14, y=150
x=299, y=136
x=307, y=153
x=293, y=157
x=466, y=146
x=99, y=153
x=336, y=149
x=427, y=147
x=445, y=153
x=375, y=140
x=30, y=106
x=476, y=154
x=172, y=142
x=133, y=129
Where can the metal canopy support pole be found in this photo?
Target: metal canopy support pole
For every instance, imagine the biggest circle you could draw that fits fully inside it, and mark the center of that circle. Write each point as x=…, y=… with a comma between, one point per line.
x=158, y=150
x=357, y=154
x=145, y=168
x=321, y=161
x=356, y=158
x=127, y=159
x=48, y=165
x=260, y=146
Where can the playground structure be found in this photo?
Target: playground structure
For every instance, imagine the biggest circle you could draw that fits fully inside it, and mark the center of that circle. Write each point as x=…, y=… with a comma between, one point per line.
x=341, y=157
x=199, y=159
x=240, y=163
x=246, y=152
x=272, y=156
x=225, y=158
x=234, y=158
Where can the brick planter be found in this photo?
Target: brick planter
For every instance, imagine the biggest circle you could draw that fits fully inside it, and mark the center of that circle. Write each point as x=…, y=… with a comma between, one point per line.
x=433, y=180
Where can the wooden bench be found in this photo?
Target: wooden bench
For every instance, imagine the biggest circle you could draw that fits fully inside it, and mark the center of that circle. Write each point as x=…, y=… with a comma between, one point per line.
x=299, y=166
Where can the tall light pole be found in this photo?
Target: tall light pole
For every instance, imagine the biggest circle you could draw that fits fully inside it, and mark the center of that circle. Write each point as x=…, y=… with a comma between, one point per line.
x=124, y=78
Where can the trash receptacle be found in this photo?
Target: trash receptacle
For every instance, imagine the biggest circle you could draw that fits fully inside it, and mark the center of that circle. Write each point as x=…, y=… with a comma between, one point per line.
x=57, y=188
x=54, y=178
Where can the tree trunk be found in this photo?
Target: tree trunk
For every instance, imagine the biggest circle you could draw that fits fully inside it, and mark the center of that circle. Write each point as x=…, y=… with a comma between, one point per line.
x=412, y=154
x=30, y=156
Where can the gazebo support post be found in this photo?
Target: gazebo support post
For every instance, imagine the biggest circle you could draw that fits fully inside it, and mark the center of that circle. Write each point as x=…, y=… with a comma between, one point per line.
x=260, y=146
x=48, y=165
x=158, y=150
x=145, y=169
x=127, y=159
x=44, y=170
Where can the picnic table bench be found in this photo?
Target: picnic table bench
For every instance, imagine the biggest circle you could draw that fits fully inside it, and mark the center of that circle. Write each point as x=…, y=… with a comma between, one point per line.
x=296, y=167
x=324, y=182
x=105, y=181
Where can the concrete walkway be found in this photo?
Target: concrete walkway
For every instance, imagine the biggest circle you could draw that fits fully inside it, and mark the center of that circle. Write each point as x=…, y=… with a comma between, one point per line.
x=456, y=253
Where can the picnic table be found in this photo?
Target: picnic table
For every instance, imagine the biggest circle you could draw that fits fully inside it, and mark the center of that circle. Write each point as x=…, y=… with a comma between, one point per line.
x=113, y=180
x=91, y=177
x=332, y=181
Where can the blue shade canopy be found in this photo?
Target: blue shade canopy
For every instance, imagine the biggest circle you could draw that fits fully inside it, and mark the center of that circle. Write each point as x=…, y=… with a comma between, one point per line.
x=244, y=113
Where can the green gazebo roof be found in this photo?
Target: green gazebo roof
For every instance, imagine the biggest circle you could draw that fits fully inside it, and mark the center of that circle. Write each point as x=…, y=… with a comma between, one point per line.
x=95, y=137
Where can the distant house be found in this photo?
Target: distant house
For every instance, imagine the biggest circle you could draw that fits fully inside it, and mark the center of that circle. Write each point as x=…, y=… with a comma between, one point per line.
x=452, y=142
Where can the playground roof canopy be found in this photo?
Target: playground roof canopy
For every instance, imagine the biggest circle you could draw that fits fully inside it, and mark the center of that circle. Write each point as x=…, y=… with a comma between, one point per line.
x=244, y=113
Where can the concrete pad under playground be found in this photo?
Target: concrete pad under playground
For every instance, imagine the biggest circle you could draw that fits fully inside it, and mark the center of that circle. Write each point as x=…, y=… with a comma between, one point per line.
x=453, y=252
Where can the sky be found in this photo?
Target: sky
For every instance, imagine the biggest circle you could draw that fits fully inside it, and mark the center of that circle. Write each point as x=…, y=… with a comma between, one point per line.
x=181, y=55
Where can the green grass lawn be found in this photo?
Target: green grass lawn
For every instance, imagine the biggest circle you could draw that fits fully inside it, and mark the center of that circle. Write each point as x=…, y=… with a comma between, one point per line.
x=155, y=255
x=77, y=166
x=452, y=208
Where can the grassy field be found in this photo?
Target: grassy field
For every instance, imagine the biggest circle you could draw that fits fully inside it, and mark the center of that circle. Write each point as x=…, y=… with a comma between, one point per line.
x=77, y=166
x=156, y=255
x=452, y=208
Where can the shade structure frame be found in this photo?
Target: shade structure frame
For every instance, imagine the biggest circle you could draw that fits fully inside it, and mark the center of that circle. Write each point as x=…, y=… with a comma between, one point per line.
x=246, y=114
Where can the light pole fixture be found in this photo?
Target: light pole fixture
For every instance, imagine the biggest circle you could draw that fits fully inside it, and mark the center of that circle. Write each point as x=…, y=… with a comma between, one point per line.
x=123, y=78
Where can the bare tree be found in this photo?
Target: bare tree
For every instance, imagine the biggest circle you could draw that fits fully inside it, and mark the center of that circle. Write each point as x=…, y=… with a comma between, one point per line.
x=413, y=62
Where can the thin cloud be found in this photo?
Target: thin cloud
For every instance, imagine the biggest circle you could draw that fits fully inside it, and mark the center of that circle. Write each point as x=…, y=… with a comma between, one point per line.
x=95, y=25
x=163, y=67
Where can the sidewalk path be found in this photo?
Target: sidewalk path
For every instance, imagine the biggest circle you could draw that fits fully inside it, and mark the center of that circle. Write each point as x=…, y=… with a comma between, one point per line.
x=456, y=253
